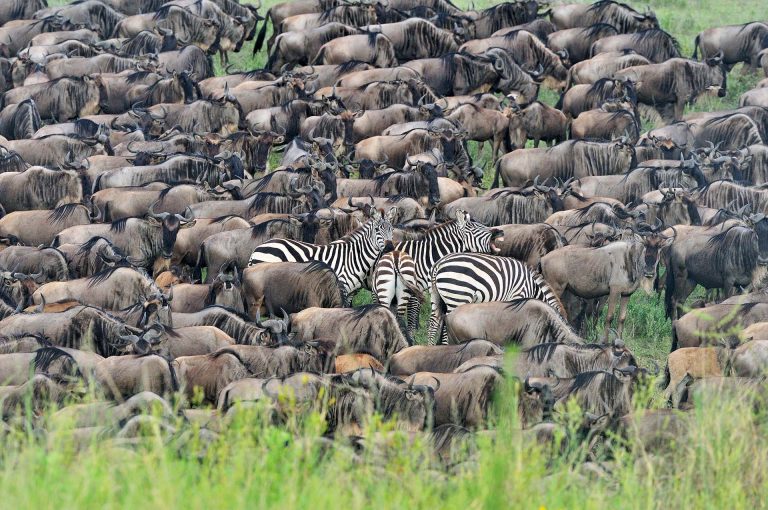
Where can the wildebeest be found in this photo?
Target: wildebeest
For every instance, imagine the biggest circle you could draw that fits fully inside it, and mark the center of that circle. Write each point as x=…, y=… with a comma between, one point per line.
x=621, y=16
x=569, y=360
x=525, y=322
x=725, y=257
x=654, y=44
x=290, y=287
x=738, y=43
x=39, y=188
x=372, y=329
x=456, y=74
x=371, y=48
x=114, y=289
x=532, y=204
x=668, y=86
x=603, y=65
x=714, y=323
x=615, y=270
x=576, y=42
x=588, y=96
x=536, y=122
x=439, y=358
x=80, y=327
x=47, y=223
x=569, y=159
x=61, y=99
x=20, y=120
x=210, y=373
x=144, y=241
x=462, y=398
x=242, y=328
x=128, y=375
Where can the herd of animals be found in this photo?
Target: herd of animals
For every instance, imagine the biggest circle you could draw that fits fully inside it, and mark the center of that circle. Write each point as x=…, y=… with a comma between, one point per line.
x=151, y=248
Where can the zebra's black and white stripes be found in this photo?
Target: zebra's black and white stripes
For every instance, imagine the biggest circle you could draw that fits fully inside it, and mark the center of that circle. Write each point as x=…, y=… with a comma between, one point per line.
x=351, y=257
x=457, y=236
x=394, y=282
x=476, y=278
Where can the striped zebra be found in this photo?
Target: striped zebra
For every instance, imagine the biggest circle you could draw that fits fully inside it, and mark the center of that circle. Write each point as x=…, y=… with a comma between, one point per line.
x=351, y=257
x=476, y=278
x=456, y=236
x=394, y=281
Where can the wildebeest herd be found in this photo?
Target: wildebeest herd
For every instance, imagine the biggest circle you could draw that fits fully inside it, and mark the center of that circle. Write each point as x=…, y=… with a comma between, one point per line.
x=152, y=248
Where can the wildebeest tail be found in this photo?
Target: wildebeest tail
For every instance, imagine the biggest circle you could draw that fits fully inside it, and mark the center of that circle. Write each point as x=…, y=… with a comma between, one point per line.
x=675, y=341
x=262, y=33
x=669, y=292
x=320, y=56
x=496, y=176
x=200, y=264
x=695, y=55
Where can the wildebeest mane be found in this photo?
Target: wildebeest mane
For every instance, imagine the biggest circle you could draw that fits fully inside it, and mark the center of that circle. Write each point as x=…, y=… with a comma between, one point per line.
x=361, y=311
x=102, y=276
x=262, y=228
x=45, y=356
x=736, y=244
x=118, y=225
x=62, y=212
x=597, y=29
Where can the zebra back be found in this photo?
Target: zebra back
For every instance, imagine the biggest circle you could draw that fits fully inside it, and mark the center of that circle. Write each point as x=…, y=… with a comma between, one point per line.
x=474, y=278
x=455, y=236
x=351, y=257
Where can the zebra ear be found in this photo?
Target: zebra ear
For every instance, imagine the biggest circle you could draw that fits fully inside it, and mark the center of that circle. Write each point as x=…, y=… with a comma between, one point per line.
x=391, y=214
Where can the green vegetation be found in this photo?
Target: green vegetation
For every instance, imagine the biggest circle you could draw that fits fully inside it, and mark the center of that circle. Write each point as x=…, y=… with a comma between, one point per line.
x=718, y=463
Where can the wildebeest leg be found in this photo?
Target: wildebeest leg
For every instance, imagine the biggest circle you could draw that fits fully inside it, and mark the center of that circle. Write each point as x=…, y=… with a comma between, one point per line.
x=622, y=314
x=224, y=57
x=613, y=297
x=679, y=109
x=536, y=143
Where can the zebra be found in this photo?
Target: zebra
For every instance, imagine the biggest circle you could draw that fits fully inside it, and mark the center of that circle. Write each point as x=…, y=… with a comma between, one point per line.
x=456, y=236
x=463, y=278
x=394, y=280
x=351, y=257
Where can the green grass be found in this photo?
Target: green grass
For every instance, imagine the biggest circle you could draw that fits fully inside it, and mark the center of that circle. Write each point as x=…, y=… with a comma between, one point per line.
x=719, y=462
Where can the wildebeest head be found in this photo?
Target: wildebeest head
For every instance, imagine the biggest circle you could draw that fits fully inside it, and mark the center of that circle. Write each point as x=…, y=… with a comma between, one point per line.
x=412, y=404
x=535, y=402
x=275, y=329
x=716, y=75
x=652, y=241
x=233, y=162
x=759, y=223
x=318, y=356
x=170, y=224
x=624, y=149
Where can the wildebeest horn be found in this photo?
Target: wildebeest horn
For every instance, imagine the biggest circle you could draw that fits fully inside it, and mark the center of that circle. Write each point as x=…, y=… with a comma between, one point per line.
x=153, y=214
x=188, y=215
x=286, y=317
x=437, y=381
